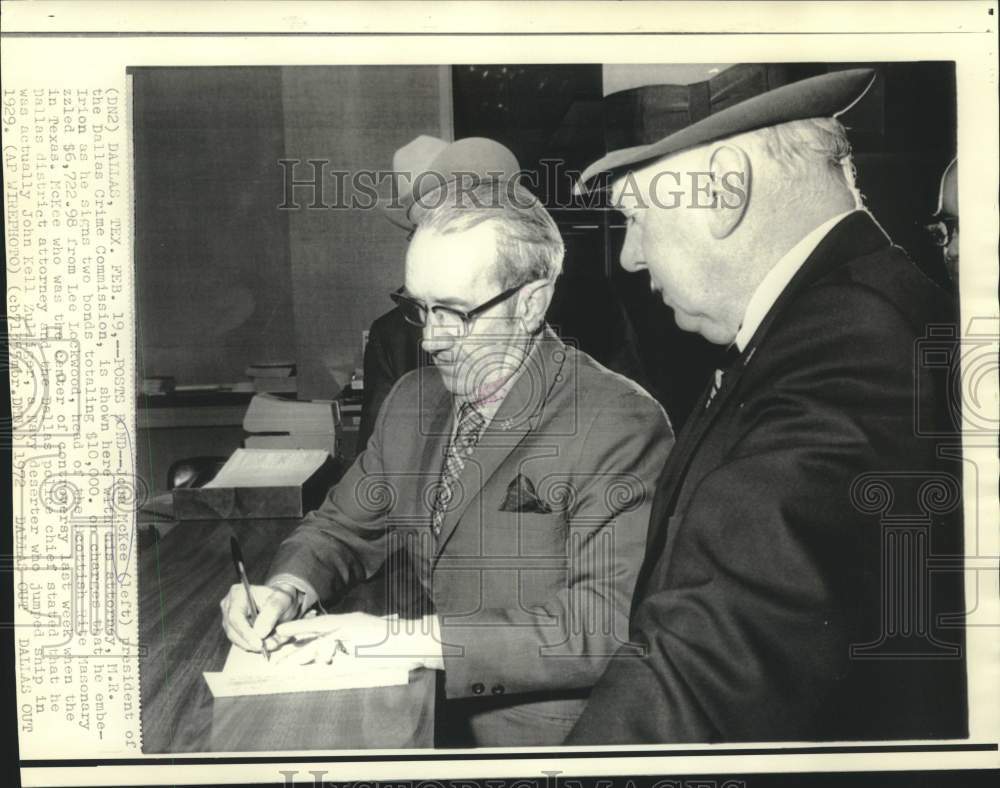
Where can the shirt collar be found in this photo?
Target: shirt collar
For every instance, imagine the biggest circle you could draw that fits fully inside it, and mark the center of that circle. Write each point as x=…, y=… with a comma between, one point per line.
x=777, y=279
x=490, y=404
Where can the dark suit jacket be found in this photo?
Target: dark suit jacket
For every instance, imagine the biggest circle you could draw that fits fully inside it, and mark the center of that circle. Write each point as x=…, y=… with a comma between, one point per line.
x=785, y=593
x=393, y=349
x=533, y=572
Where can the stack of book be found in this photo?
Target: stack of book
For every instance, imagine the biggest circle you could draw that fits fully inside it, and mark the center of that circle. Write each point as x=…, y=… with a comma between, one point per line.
x=349, y=401
x=277, y=377
x=157, y=385
x=276, y=423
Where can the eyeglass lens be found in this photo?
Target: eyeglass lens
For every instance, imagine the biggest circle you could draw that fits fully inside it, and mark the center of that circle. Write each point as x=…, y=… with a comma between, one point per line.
x=941, y=232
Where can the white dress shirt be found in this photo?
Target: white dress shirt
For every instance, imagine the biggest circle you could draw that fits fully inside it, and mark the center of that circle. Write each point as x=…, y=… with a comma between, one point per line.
x=777, y=279
x=489, y=404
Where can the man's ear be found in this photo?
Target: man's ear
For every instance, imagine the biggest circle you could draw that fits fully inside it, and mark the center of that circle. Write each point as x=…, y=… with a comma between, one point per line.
x=731, y=180
x=533, y=303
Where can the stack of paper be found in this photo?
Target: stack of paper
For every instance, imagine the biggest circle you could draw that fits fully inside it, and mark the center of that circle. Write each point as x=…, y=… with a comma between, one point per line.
x=268, y=468
x=248, y=673
x=273, y=376
x=290, y=424
x=157, y=384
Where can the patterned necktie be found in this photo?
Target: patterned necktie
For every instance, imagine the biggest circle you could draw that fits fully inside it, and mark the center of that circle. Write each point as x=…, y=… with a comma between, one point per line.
x=470, y=428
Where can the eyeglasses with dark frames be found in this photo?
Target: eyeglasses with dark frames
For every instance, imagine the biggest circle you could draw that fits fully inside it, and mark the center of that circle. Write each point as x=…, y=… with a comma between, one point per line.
x=942, y=230
x=416, y=312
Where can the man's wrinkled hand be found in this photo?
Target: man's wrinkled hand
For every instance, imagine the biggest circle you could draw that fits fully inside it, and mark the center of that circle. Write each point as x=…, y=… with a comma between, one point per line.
x=361, y=636
x=276, y=605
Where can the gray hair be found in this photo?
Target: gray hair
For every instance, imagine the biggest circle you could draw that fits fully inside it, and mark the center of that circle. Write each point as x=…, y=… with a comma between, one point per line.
x=528, y=244
x=811, y=147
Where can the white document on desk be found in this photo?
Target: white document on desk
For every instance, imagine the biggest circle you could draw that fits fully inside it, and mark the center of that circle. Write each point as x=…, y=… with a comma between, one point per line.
x=269, y=467
x=248, y=673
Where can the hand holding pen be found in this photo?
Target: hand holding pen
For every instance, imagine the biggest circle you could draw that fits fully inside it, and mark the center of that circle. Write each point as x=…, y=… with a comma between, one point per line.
x=241, y=570
x=250, y=613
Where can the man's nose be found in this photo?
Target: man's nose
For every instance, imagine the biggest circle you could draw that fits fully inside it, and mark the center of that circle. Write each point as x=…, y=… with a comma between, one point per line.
x=631, y=257
x=437, y=338
x=951, y=250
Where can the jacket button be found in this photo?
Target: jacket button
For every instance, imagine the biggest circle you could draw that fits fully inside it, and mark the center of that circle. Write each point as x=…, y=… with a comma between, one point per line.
x=478, y=689
x=498, y=689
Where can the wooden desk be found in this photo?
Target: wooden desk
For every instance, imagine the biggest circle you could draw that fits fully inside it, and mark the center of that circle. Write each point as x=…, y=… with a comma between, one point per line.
x=182, y=578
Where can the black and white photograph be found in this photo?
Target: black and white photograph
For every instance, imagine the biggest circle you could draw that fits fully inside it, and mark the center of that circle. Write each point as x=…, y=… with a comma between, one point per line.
x=666, y=491
x=567, y=401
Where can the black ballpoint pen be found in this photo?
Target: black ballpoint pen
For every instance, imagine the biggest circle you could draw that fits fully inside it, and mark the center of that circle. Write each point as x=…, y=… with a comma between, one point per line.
x=234, y=547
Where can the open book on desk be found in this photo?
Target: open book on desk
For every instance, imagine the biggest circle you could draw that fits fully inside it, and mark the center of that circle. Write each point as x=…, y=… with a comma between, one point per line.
x=249, y=673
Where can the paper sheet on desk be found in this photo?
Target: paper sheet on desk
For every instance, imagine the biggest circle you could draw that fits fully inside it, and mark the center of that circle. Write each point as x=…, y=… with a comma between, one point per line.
x=269, y=467
x=248, y=673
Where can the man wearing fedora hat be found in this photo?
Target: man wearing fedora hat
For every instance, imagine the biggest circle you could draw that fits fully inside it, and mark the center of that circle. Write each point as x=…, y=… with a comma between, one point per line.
x=516, y=473
x=786, y=590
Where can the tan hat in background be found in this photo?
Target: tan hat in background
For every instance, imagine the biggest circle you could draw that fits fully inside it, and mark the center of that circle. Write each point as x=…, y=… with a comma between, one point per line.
x=426, y=164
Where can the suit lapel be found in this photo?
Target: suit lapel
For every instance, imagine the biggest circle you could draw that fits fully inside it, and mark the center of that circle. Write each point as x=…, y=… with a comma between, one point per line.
x=675, y=469
x=436, y=424
x=437, y=434
x=518, y=414
x=856, y=235
x=682, y=454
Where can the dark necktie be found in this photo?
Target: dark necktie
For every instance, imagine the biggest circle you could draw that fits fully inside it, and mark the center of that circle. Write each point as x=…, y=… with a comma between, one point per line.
x=470, y=427
x=729, y=360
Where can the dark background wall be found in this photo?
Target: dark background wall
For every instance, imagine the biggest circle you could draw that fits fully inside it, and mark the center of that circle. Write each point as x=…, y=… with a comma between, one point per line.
x=224, y=276
x=344, y=263
x=214, y=288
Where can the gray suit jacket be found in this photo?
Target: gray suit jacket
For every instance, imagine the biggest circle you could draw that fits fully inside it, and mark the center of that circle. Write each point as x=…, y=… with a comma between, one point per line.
x=533, y=572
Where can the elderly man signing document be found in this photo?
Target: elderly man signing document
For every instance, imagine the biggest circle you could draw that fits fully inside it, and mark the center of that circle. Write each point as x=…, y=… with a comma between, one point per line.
x=516, y=470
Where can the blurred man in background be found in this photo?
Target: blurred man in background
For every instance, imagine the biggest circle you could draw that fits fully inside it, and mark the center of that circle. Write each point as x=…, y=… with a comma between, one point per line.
x=943, y=228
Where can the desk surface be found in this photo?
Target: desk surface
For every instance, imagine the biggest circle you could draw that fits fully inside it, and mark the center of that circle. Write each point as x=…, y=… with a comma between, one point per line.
x=182, y=578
